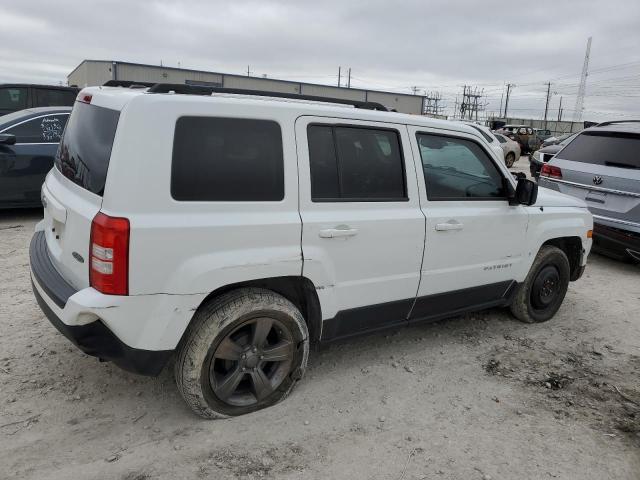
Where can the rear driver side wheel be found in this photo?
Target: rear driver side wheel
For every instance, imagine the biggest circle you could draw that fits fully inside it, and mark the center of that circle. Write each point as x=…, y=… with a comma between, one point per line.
x=242, y=352
x=540, y=296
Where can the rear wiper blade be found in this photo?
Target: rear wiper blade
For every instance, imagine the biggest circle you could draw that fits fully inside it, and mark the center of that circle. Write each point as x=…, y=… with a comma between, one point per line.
x=621, y=165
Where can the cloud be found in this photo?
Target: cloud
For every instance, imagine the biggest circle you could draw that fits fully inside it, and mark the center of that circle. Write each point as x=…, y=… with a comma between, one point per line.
x=435, y=45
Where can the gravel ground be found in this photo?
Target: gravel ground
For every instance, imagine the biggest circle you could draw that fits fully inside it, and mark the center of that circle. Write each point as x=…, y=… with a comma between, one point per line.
x=475, y=397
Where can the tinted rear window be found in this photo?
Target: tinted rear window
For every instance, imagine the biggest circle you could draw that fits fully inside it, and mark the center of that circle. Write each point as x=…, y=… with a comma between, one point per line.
x=85, y=149
x=615, y=149
x=227, y=159
x=54, y=97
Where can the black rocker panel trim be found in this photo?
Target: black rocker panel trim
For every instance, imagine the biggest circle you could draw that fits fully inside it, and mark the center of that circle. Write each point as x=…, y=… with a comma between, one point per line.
x=398, y=313
x=441, y=305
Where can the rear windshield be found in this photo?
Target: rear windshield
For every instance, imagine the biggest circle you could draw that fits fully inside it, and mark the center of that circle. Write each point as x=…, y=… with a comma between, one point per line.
x=614, y=149
x=85, y=148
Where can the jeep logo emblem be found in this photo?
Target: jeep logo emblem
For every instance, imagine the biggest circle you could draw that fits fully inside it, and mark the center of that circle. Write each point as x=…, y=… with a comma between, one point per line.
x=597, y=180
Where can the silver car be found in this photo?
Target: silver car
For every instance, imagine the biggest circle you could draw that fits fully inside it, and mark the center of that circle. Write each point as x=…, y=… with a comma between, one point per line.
x=601, y=165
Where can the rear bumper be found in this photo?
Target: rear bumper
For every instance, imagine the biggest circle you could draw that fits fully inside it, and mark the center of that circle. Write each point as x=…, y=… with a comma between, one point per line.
x=90, y=334
x=616, y=242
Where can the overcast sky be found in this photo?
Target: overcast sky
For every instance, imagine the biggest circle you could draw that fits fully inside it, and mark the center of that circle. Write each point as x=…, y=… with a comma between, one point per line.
x=434, y=45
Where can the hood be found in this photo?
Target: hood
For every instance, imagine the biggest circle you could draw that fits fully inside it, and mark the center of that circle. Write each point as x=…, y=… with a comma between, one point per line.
x=551, y=198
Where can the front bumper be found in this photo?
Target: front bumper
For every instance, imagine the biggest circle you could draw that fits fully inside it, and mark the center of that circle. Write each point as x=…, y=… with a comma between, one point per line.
x=94, y=338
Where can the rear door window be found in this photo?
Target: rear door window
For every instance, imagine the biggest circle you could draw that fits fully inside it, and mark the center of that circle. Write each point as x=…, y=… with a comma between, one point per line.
x=227, y=159
x=13, y=98
x=46, y=129
x=54, y=97
x=84, y=152
x=614, y=149
x=355, y=164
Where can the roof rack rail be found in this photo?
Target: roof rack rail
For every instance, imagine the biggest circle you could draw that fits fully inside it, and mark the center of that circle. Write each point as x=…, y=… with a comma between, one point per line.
x=614, y=122
x=127, y=84
x=203, y=90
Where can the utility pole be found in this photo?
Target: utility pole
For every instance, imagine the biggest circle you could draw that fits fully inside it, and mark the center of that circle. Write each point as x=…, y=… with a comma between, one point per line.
x=501, y=98
x=248, y=71
x=506, y=101
x=339, y=70
x=349, y=79
x=546, y=106
x=560, y=110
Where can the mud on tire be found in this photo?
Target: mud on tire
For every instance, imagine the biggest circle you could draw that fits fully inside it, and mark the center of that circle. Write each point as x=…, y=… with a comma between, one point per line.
x=540, y=296
x=223, y=341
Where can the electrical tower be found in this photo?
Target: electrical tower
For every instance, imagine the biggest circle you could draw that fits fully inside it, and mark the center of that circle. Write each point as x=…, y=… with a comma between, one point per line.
x=577, y=113
x=432, y=104
x=470, y=104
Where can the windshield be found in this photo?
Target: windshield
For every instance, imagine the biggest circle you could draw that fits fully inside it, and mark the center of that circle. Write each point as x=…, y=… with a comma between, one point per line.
x=85, y=149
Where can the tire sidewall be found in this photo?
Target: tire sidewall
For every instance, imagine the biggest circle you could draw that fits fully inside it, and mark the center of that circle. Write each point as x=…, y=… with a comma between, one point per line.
x=559, y=260
x=212, y=322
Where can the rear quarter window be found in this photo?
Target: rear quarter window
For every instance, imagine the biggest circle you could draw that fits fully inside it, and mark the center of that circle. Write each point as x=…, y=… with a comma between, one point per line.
x=615, y=149
x=227, y=159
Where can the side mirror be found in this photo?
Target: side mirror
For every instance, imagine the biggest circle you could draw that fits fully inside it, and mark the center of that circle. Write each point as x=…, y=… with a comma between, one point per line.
x=526, y=192
x=7, y=139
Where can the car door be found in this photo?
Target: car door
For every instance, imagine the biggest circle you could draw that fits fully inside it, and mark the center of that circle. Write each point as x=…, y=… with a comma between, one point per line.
x=24, y=165
x=474, y=238
x=363, y=229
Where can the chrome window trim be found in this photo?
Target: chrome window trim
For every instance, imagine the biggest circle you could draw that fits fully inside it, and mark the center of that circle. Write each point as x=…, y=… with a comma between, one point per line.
x=31, y=119
x=590, y=187
x=616, y=220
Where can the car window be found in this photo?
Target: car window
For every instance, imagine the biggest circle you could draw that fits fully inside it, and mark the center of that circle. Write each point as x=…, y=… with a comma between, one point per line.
x=615, y=149
x=46, y=129
x=85, y=149
x=355, y=164
x=227, y=159
x=54, y=98
x=12, y=98
x=500, y=138
x=458, y=169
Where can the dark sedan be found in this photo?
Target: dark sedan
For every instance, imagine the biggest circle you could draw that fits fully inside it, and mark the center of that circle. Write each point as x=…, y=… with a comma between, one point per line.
x=28, y=144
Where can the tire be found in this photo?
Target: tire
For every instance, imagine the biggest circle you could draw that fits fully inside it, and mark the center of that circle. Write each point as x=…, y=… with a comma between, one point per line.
x=510, y=159
x=540, y=296
x=221, y=369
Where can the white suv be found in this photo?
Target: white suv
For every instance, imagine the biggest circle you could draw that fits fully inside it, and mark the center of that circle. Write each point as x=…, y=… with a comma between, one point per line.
x=236, y=230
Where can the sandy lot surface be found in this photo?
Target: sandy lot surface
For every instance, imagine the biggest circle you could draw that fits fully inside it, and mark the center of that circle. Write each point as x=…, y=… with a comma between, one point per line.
x=479, y=396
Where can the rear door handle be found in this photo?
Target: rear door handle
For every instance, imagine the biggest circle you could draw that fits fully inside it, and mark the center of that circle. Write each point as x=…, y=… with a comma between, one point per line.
x=339, y=231
x=452, y=225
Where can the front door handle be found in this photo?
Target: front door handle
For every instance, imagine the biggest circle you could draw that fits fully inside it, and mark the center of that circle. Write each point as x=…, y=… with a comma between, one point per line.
x=339, y=231
x=451, y=225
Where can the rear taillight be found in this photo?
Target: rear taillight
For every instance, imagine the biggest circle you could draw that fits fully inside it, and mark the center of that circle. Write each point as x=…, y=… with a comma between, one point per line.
x=109, y=255
x=551, y=171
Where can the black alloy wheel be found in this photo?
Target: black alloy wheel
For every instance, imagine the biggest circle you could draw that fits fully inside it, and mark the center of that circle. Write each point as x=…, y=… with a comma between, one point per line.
x=251, y=361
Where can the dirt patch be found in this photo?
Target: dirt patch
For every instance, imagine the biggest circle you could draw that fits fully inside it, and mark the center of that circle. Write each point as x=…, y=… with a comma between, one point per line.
x=590, y=383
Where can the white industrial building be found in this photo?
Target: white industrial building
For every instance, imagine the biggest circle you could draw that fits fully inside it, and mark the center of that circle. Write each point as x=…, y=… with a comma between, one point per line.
x=97, y=72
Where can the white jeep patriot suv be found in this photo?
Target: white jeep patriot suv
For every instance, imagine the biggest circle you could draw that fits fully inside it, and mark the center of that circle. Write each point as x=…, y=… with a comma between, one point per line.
x=234, y=230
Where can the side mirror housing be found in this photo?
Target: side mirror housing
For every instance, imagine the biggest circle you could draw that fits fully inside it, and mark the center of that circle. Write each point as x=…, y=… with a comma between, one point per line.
x=526, y=193
x=7, y=139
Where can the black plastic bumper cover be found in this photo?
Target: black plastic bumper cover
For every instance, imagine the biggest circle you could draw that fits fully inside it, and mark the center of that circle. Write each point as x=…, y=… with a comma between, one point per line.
x=616, y=241
x=95, y=338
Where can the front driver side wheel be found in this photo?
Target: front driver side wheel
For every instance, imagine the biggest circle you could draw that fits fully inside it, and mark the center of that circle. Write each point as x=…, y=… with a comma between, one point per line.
x=540, y=296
